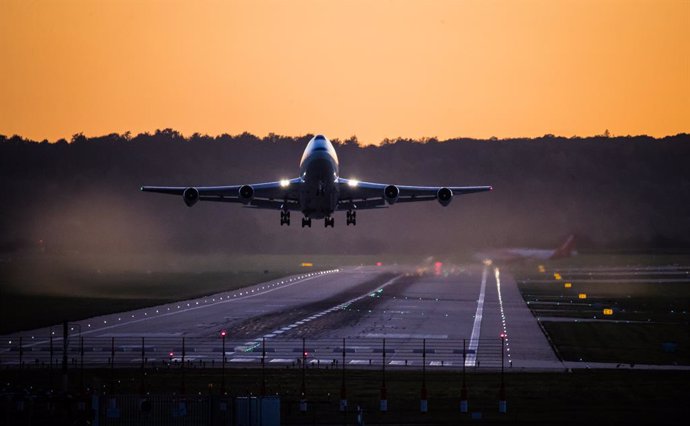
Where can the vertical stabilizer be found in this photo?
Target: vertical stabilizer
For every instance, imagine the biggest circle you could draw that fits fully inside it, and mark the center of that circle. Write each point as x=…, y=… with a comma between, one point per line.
x=566, y=249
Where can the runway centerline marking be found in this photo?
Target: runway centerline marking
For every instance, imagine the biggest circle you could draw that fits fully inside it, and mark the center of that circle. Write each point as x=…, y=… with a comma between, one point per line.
x=471, y=359
x=329, y=310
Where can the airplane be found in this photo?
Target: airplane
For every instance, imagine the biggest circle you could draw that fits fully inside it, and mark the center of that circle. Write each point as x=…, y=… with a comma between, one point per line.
x=318, y=191
x=566, y=249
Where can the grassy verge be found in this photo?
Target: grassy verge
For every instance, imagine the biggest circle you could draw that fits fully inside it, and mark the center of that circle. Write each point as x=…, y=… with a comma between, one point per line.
x=657, y=311
x=621, y=342
x=41, y=290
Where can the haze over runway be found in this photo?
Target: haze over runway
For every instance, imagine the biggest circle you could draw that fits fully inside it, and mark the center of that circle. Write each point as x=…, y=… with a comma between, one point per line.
x=364, y=305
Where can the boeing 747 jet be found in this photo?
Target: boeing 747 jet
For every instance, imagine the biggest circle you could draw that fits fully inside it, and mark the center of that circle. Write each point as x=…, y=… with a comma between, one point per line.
x=318, y=192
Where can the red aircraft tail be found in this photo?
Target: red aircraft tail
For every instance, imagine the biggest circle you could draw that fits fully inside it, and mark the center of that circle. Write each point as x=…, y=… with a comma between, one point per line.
x=566, y=249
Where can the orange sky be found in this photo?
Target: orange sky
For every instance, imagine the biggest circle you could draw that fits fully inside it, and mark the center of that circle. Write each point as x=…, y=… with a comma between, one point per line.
x=374, y=69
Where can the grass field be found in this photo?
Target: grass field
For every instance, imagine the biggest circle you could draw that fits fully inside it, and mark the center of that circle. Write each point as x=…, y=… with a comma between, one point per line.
x=40, y=290
x=647, y=318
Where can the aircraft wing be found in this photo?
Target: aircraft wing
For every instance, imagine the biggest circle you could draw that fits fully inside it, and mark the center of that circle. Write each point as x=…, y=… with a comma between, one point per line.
x=268, y=195
x=366, y=195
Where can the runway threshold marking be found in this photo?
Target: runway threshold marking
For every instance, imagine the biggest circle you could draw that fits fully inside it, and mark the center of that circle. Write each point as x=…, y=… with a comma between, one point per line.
x=471, y=359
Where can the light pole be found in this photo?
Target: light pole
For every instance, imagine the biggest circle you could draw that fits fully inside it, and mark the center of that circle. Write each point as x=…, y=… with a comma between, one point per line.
x=223, y=333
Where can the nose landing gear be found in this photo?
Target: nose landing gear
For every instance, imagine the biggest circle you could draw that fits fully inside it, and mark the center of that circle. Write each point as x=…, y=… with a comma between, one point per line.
x=285, y=218
x=351, y=218
x=329, y=221
x=306, y=222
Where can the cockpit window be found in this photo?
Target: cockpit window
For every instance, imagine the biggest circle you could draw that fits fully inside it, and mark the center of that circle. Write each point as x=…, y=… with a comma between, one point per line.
x=320, y=138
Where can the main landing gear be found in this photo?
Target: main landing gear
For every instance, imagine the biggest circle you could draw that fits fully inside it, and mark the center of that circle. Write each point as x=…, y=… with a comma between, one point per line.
x=306, y=221
x=351, y=218
x=285, y=218
x=328, y=221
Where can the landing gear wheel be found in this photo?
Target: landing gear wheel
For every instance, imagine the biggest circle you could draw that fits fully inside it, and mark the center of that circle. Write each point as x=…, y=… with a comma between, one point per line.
x=284, y=218
x=329, y=221
x=306, y=222
x=351, y=218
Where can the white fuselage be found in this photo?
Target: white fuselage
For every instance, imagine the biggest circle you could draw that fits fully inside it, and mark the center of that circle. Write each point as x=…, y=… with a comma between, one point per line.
x=318, y=170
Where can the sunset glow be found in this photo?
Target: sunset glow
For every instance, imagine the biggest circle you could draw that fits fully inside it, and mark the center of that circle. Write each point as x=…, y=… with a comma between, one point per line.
x=374, y=69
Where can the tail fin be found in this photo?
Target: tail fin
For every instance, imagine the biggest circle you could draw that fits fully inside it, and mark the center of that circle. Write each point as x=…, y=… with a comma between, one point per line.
x=566, y=249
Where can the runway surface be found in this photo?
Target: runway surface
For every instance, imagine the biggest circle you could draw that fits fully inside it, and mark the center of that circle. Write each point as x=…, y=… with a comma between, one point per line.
x=462, y=316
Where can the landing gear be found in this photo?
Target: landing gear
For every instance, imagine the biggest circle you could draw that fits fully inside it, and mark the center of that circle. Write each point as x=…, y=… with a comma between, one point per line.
x=351, y=218
x=328, y=221
x=306, y=221
x=285, y=218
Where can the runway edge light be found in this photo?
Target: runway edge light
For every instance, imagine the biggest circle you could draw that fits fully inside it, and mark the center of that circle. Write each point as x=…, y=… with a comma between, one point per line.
x=568, y=285
x=582, y=296
x=608, y=311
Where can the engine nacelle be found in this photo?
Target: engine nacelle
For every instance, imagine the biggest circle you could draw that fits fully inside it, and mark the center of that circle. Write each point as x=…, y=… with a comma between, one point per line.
x=444, y=196
x=190, y=196
x=246, y=193
x=391, y=193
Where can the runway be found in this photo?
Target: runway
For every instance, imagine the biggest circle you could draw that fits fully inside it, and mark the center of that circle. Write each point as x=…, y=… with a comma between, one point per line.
x=363, y=316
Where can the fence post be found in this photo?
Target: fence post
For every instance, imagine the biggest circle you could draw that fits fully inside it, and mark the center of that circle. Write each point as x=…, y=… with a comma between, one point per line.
x=81, y=361
x=424, y=402
x=502, y=406
x=383, y=403
x=112, y=364
x=65, y=343
x=143, y=367
x=263, y=366
x=343, y=395
x=182, y=387
x=50, y=366
x=303, y=396
x=463, y=393
x=223, y=333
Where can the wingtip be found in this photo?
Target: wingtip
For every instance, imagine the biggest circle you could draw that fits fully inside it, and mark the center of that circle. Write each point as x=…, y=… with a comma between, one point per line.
x=141, y=188
x=491, y=188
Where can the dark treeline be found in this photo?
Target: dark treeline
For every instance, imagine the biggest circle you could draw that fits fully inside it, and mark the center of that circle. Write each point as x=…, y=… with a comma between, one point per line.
x=82, y=195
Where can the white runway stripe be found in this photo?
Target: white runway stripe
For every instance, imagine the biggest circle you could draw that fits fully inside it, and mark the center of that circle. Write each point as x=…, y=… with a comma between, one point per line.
x=471, y=359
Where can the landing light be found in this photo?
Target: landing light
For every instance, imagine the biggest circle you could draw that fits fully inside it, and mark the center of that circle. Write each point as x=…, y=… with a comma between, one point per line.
x=353, y=182
x=284, y=183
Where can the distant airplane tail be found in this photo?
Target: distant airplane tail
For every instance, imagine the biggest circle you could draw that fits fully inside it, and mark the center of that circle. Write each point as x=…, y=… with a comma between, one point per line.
x=566, y=249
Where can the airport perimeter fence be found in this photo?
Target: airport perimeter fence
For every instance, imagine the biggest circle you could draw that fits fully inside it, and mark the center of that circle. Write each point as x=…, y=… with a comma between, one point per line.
x=223, y=352
x=163, y=370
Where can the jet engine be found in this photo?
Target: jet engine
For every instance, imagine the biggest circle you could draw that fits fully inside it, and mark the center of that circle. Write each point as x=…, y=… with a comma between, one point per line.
x=444, y=196
x=390, y=193
x=190, y=196
x=246, y=193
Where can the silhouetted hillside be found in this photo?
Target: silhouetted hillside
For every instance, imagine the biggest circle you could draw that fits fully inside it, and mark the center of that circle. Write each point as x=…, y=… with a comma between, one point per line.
x=84, y=195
